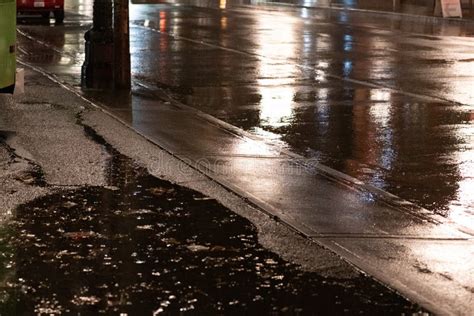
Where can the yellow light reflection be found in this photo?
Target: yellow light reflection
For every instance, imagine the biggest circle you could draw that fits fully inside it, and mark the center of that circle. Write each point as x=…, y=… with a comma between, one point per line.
x=321, y=67
x=460, y=88
x=373, y=137
x=222, y=4
x=65, y=60
x=249, y=147
x=323, y=42
x=277, y=69
x=81, y=6
x=381, y=110
x=224, y=23
x=275, y=105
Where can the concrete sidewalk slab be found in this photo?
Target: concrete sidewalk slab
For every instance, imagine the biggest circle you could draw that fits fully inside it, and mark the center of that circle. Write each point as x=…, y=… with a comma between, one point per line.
x=437, y=273
x=425, y=257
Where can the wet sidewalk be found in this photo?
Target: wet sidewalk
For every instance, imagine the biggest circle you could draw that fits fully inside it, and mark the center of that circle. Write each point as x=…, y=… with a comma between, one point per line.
x=424, y=256
x=420, y=254
x=101, y=233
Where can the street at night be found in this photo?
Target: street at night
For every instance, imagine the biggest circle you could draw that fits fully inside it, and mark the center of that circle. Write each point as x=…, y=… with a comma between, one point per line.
x=275, y=158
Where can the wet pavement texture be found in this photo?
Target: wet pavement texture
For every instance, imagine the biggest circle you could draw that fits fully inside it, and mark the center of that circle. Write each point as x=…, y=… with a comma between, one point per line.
x=384, y=99
x=387, y=100
x=306, y=82
x=143, y=245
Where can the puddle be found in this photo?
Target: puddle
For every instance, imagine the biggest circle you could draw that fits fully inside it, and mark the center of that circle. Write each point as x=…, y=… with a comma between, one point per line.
x=143, y=246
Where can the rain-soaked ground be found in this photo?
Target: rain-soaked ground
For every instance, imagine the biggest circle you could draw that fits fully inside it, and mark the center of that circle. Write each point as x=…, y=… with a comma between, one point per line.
x=387, y=100
x=384, y=99
x=142, y=245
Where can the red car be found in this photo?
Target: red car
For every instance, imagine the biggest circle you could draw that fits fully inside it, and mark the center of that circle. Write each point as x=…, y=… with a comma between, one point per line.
x=43, y=7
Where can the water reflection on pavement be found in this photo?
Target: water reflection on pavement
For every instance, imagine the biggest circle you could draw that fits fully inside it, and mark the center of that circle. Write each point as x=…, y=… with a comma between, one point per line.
x=144, y=246
x=386, y=100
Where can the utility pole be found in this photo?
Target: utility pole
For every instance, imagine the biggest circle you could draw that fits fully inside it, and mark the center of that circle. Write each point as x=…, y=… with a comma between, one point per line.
x=97, y=70
x=122, y=72
x=107, y=60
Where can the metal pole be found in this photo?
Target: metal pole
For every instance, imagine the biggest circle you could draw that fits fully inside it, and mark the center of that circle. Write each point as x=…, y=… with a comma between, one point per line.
x=122, y=73
x=102, y=16
x=97, y=70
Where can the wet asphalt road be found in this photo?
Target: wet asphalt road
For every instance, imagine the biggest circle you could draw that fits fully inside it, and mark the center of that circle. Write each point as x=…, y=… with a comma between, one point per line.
x=315, y=81
x=386, y=101
x=383, y=99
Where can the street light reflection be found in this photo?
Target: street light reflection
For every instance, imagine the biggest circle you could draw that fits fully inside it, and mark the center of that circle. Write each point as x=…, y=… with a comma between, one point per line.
x=320, y=71
x=81, y=6
x=347, y=68
x=276, y=78
x=248, y=147
x=162, y=21
x=222, y=4
x=275, y=106
x=65, y=61
x=461, y=90
x=223, y=23
x=462, y=207
x=304, y=13
x=348, y=42
x=380, y=110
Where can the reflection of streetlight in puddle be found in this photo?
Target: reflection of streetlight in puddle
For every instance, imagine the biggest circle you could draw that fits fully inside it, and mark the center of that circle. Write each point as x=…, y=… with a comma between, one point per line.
x=304, y=13
x=276, y=105
x=343, y=17
x=65, y=61
x=460, y=88
x=320, y=71
x=380, y=109
x=462, y=206
x=348, y=43
x=223, y=23
x=380, y=112
x=84, y=6
x=276, y=70
x=249, y=147
x=347, y=68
